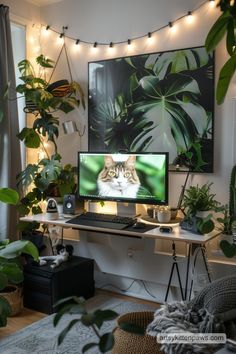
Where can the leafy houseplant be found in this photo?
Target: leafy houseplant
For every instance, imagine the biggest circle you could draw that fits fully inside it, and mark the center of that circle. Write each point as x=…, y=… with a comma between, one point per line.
x=95, y=320
x=224, y=27
x=228, y=221
x=48, y=177
x=198, y=199
x=10, y=265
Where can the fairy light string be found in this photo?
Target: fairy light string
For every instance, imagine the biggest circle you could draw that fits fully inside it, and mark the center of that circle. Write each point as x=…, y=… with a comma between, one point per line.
x=111, y=44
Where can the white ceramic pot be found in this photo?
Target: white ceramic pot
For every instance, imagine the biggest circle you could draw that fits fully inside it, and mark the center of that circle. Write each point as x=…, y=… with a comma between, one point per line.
x=164, y=215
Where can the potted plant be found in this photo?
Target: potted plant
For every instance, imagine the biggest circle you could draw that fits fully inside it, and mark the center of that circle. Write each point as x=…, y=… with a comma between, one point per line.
x=48, y=177
x=198, y=202
x=227, y=220
x=10, y=266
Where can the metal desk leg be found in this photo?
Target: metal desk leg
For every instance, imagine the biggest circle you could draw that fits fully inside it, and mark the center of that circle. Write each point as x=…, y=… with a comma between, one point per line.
x=203, y=251
x=187, y=271
x=174, y=265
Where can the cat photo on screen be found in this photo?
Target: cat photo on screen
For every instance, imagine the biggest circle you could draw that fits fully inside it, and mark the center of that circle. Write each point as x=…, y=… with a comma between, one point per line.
x=118, y=178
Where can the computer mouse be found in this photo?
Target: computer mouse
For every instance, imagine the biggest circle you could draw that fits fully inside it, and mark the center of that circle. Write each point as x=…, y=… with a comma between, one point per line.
x=139, y=225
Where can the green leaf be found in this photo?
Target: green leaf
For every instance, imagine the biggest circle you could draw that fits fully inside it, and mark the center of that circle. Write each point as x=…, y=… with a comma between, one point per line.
x=66, y=330
x=3, y=280
x=47, y=124
x=27, y=176
x=101, y=316
x=217, y=32
x=9, y=196
x=16, y=248
x=26, y=68
x=225, y=77
x=44, y=62
x=87, y=319
x=205, y=226
x=88, y=346
x=228, y=249
x=230, y=40
x=5, y=311
x=51, y=168
x=13, y=272
x=106, y=342
x=30, y=138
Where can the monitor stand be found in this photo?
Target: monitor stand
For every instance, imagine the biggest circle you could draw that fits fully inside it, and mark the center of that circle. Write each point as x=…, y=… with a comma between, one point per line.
x=126, y=209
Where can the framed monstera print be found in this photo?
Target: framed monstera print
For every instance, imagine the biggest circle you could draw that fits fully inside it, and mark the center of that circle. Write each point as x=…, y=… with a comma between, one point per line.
x=158, y=102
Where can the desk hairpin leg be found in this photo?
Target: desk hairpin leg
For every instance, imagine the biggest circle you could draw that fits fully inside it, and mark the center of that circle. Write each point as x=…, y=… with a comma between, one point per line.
x=187, y=271
x=204, y=257
x=174, y=265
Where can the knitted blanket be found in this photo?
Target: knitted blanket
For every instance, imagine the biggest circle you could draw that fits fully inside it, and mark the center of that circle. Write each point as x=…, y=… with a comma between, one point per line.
x=213, y=310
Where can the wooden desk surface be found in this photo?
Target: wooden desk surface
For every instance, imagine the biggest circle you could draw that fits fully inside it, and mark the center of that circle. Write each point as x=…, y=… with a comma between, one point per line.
x=176, y=235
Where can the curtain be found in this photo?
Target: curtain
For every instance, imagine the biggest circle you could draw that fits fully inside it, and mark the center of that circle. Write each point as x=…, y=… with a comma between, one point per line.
x=10, y=159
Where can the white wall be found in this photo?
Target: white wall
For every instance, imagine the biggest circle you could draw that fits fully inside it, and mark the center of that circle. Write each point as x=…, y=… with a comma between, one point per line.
x=111, y=20
x=106, y=21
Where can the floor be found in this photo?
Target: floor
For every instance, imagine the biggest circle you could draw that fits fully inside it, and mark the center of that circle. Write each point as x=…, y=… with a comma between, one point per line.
x=27, y=316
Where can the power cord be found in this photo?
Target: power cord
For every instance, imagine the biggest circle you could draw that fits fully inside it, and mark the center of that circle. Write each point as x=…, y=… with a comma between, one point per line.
x=125, y=290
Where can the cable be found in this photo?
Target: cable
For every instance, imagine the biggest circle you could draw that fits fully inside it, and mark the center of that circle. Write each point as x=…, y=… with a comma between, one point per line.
x=147, y=290
x=125, y=290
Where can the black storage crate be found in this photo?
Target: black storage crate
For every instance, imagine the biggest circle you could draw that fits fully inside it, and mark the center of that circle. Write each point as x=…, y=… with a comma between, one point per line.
x=44, y=286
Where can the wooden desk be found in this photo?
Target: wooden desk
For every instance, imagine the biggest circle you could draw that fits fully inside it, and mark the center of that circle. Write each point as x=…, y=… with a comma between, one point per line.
x=193, y=241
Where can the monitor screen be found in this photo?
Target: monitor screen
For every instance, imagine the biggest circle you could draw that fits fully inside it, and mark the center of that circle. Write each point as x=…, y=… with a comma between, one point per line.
x=128, y=177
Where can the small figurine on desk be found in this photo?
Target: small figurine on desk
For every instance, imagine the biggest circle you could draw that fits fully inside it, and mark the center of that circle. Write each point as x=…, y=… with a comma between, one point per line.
x=64, y=253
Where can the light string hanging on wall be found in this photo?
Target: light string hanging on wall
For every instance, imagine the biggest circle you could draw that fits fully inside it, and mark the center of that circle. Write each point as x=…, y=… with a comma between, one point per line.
x=95, y=44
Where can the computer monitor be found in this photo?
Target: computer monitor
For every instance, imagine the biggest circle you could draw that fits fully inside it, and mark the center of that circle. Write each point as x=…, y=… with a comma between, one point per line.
x=123, y=177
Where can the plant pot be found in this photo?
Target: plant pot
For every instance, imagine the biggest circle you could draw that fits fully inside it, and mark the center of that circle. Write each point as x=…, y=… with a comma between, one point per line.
x=127, y=342
x=13, y=294
x=60, y=88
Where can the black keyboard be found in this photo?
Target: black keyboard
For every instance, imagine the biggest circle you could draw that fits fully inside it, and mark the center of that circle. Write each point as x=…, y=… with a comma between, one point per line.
x=103, y=220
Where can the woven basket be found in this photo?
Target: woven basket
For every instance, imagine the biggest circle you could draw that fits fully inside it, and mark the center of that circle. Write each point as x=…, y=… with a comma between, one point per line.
x=130, y=343
x=15, y=299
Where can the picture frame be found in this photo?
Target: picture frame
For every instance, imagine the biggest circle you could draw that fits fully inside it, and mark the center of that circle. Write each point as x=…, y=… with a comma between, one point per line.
x=156, y=102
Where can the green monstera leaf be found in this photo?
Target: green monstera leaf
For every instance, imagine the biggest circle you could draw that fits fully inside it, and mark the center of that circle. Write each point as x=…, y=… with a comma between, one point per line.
x=30, y=138
x=179, y=61
x=51, y=168
x=27, y=176
x=171, y=109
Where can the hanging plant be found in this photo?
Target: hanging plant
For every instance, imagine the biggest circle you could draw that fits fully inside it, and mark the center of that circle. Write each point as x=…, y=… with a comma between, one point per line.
x=44, y=99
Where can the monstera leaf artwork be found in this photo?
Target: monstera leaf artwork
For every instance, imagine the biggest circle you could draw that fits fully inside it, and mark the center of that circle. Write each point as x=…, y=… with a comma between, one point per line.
x=154, y=102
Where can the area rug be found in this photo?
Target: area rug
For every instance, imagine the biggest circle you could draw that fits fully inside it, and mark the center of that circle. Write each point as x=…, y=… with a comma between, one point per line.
x=41, y=337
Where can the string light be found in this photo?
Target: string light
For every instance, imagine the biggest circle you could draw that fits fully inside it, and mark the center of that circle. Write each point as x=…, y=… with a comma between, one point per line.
x=189, y=17
x=172, y=25
x=212, y=3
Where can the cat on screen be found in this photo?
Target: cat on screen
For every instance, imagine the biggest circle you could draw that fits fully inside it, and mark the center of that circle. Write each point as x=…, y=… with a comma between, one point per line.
x=118, y=178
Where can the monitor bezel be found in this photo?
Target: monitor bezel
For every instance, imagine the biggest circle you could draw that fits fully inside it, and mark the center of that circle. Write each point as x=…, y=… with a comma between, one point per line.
x=126, y=200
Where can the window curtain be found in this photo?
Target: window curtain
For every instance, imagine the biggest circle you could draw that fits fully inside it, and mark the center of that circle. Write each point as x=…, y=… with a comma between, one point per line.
x=10, y=159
